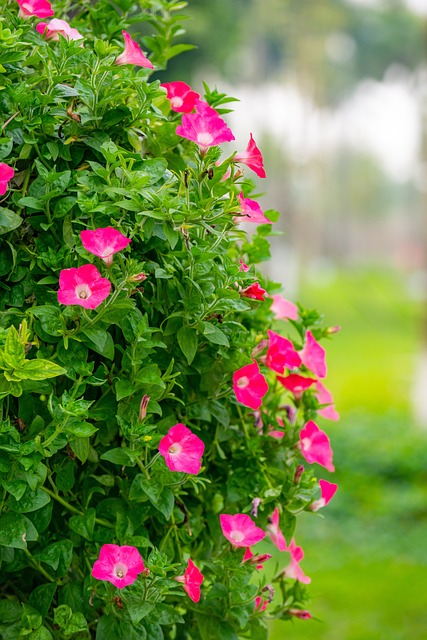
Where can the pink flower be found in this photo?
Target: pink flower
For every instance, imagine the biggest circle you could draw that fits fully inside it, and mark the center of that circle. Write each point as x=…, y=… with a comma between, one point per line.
x=293, y=570
x=243, y=267
x=256, y=560
x=281, y=353
x=133, y=54
x=204, y=127
x=240, y=530
x=328, y=490
x=313, y=356
x=182, y=450
x=181, y=96
x=251, y=210
x=38, y=8
x=252, y=158
x=302, y=614
x=104, y=242
x=192, y=579
x=55, y=28
x=260, y=604
x=283, y=309
x=325, y=397
x=254, y=291
x=6, y=174
x=315, y=446
x=119, y=565
x=295, y=383
x=83, y=286
x=249, y=385
x=273, y=530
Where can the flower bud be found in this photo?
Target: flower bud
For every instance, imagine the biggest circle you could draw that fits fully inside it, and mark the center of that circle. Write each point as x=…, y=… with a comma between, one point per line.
x=143, y=407
x=302, y=614
x=255, y=504
x=138, y=277
x=298, y=473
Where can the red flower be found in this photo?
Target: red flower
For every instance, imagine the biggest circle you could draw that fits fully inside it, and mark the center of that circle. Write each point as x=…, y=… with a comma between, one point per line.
x=181, y=96
x=182, y=450
x=251, y=211
x=6, y=174
x=104, y=242
x=281, y=353
x=252, y=158
x=313, y=356
x=254, y=291
x=118, y=565
x=204, y=127
x=240, y=530
x=283, y=309
x=315, y=446
x=275, y=532
x=295, y=383
x=250, y=386
x=132, y=54
x=83, y=286
x=192, y=579
x=328, y=490
x=38, y=8
x=293, y=570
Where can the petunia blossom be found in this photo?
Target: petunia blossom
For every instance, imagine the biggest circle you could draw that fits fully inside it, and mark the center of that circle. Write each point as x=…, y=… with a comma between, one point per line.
x=243, y=267
x=251, y=211
x=38, y=8
x=182, y=450
x=55, y=28
x=191, y=580
x=240, y=530
x=313, y=356
x=283, y=309
x=281, y=353
x=132, y=54
x=325, y=397
x=293, y=570
x=257, y=560
x=260, y=604
x=6, y=174
x=83, y=286
x=302, y=614
x=181, y=96
x=249, y=385
x=252, y=158
x=118, y=565
x=104, y=242
x=254, y=291
x=328, y=490
x=295, y=383
x=274, y=531
x=204, y=127
x=315, y=446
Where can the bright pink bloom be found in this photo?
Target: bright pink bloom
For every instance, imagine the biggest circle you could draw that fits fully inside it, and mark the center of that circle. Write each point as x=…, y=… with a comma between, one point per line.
x=328, y=490
x=260, y=604
x=256, y=560
x=250, y=386
x=273, y=530
x=254, y=291
x=243, y=267
x=240, y=530
x=133, y=54
x=283, y=309
x=192, y=579
x=315, y=446
x=302, y=614
x=204, y=127
x=6, y=174
x=104, y=242
x=293, y=570
x=251, y=211
x=295, y=383
x=281, y=353
x=181, y=96
x=252, y=158
x=38, y=8
x=325, y=397
x=313, y=356
x=55, y=28
x=182, y=449
x=119, y=565
x=83, y=286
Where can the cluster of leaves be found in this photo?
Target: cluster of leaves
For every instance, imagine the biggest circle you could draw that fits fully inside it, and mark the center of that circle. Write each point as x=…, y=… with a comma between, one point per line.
x=93, y=145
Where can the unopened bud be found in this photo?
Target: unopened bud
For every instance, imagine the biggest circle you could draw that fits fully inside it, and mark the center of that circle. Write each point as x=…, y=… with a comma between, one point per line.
x=259, y=347
x=138, y=277
x=298, y=473
x=143, y=407
x=333, y=329
x=145, y=573
x=270, y=589
x=302, y=614
x=255, y=504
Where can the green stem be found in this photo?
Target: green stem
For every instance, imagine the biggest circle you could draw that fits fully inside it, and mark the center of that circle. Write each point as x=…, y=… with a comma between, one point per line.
x=38, y=566
x=77, y=512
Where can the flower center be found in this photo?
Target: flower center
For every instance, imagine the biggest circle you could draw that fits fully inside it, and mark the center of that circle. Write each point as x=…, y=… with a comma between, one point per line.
x=177, y=102
x=83, y=292
x=175, y=448
x=243, y=382
x=306, y=443
x=237, y=536
x=205, y=138
x=120, y=570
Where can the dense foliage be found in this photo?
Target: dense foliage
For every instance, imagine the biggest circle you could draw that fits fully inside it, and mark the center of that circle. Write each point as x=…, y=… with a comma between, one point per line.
x=97, y=379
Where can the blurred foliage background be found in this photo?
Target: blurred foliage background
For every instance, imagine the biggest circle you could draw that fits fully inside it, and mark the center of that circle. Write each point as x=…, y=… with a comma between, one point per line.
x=334, y=92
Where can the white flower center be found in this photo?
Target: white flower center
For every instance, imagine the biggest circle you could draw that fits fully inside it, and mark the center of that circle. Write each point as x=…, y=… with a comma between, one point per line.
x=306, y=443
x=175, y=448
x=243, y=382
x=205, y=139
x=237, y=536
x=83, y=291
x=120, y=570
x=177, y=102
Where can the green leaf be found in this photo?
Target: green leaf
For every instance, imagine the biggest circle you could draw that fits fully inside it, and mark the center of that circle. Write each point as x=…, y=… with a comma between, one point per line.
x=81, y=429
x=124, y=389
x=122, y=456
x=39, y=369
x=100, y=341
x=137, y=609
x=81, y=447
x=160, y=497
x=165, y=614
x=14, y=530
x=41, y=597
x=30, y=501
x=215, y=335
x=110, y=627
x=83, y=525
x=187, y=340
x=14, y=351
x=9, y=220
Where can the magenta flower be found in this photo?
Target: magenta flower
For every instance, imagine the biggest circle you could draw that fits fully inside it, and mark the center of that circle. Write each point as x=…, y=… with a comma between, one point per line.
x=328, y=490
x=192, y=579
x=273, y=530
x=258, y=560
x=293, y=570
x=313, y=356
x=132, y=54
x=315, y=446
x=104, y=242
x=181, y=96
x=252, y=158
x=281, y=353
x=254, y=291
x=240, y=530
x=118, y=565
x=55, y=28
x=260, y=604
x=295, y=383
x=38, y=8
x=249, y=385
x=6, y=174
x=325, y=397
x=283, y=309
x=204, y=127
x=182, y=450
x=251, y=211
x=243, y=267
x=83, y=286
x=302, y=614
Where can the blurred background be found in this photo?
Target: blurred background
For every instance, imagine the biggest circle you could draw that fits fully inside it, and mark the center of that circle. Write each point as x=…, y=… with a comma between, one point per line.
x=335, y=94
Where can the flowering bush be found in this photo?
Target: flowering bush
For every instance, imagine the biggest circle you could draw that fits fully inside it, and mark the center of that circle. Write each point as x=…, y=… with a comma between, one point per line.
x=158, y=397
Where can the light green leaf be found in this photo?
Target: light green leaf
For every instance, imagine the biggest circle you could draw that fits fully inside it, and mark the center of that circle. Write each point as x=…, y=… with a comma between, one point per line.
x=187, y=340
x=39, y=369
